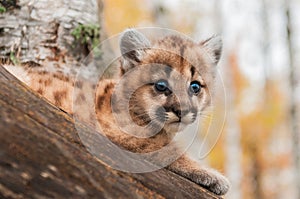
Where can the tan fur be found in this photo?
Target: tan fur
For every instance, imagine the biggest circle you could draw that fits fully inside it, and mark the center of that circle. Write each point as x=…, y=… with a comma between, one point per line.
x=184, y=57
x=55, y=87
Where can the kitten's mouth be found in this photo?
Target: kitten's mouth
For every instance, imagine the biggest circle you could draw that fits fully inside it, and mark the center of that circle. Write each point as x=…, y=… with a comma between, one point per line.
x=173, y=119
x=174, y=123
x=180, y=121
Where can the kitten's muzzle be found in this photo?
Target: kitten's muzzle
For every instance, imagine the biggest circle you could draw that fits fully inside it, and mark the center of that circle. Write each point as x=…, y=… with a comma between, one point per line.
x=180, y=113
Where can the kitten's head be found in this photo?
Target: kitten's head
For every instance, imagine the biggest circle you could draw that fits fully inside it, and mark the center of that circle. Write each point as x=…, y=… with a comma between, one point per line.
x=167, y=82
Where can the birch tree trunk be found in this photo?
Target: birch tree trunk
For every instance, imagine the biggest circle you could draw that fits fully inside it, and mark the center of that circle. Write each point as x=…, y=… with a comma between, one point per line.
x=34, y=32
x=233, y=148
x=293, y=112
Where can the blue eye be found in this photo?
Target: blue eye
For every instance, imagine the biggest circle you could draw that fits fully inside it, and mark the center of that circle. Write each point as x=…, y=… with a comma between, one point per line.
x=195, y=87
x=161, y=85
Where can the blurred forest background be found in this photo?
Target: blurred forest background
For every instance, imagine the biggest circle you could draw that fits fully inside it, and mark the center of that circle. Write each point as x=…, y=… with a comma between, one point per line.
x=258, y=148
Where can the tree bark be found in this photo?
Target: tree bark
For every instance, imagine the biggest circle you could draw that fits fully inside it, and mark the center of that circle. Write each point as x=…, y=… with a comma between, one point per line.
x=39, y=32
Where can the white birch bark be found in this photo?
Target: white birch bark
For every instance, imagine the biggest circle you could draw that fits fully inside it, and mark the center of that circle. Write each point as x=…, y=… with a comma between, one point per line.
x=294, y=109
x=40, y=30
x=233, y=148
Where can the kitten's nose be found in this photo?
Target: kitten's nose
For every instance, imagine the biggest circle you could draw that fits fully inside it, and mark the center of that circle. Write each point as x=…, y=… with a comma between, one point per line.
x=180, y=113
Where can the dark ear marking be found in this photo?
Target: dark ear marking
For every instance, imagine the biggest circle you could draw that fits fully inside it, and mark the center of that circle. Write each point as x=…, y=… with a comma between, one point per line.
x=213, y=46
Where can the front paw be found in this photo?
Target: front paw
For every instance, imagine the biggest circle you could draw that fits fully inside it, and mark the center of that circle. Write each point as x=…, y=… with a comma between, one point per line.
x=210, y=179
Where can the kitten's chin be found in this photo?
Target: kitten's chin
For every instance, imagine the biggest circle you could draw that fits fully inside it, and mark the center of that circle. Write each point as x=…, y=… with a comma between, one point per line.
x=174, y=127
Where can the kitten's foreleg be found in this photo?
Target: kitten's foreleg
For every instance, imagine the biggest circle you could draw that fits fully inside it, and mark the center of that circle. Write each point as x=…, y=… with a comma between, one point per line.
x=207, y=178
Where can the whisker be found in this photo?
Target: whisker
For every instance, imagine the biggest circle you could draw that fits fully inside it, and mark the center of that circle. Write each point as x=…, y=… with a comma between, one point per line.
x=204, y=113
x=204, y=117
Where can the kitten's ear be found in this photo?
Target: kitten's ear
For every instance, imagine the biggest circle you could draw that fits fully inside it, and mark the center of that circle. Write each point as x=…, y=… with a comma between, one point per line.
x=133, y=45
x=213, y=46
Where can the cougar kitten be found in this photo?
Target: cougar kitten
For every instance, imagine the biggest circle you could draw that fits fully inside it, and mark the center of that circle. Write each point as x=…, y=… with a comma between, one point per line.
x=164, y=86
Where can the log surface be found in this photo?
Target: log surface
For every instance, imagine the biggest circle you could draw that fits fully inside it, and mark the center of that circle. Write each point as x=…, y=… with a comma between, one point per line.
x=41, y=156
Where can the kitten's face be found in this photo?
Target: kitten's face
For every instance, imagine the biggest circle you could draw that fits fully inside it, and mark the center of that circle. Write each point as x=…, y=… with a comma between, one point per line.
x=169, y=83
x=169, y=99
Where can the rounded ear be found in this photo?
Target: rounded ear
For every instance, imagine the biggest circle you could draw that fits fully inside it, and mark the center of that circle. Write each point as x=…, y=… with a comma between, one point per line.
x=213, y=46
x=133, y=45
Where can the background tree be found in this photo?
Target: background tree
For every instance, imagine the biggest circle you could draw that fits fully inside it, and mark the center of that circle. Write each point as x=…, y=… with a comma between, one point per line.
x=40, y=32
x=293, y=110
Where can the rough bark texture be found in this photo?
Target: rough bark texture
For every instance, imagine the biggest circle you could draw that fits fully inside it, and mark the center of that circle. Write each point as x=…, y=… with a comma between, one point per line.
x=37, y=31
x=41, y=156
